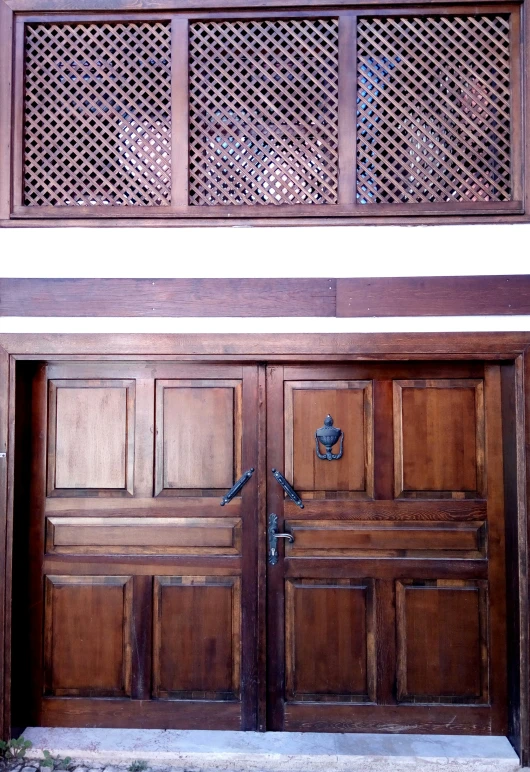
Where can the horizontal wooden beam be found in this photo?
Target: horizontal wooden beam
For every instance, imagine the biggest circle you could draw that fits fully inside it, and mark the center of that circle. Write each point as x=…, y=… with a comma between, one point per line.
x=167, y=297
x=355, y=297
x=434, y=296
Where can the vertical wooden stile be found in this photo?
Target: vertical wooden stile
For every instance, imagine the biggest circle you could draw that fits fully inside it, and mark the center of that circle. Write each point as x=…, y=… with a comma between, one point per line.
x=18, y=116
x=179, y=111
x=515, y=99
x=6, y=67
x=347, y=107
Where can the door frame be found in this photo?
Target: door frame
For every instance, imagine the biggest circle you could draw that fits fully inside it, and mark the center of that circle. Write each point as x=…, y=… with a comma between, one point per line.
x=512, y=349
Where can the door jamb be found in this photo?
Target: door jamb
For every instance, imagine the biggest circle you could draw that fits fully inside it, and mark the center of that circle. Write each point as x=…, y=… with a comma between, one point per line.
x=511, y=348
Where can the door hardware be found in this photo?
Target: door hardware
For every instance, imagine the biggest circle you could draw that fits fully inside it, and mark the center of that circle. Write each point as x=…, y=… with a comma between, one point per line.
x=329, y=435
x=290, y=491
x=236, y=487
x=273, y=539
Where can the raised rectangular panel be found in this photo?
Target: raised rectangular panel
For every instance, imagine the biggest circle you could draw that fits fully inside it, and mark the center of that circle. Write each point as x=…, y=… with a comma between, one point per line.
x=330, y=653
x=439, y=438
x=307, y=403
x=87, y=636
x=90, y=437
x=198, y=438
x=327, y=538
x=197, y=637
x=143, y=536
x=442, y=641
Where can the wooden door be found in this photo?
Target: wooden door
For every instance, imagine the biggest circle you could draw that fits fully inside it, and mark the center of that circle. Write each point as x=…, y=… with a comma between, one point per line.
x=387, y=612
x=143, y=587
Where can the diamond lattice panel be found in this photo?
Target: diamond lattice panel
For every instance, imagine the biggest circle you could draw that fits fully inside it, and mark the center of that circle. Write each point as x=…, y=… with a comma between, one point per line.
x=98, y=114
x=263, y=112
x=433, y=109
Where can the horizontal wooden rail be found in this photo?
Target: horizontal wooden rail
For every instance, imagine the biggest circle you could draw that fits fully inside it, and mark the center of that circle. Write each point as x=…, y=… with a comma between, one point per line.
x=355, y=297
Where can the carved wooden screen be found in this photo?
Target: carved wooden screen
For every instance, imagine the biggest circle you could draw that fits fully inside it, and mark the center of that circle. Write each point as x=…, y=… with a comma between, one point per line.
x=272, y=114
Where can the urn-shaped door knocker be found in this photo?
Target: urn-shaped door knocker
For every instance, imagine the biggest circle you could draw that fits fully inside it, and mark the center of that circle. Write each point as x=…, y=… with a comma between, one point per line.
x=328, y=435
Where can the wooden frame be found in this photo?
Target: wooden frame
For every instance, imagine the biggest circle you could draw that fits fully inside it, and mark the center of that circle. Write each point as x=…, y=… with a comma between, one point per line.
x=510, y=349
x=15, y=13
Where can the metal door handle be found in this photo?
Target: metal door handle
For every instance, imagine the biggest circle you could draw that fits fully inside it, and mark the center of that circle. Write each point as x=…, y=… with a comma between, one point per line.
x=290, y=491
x=273, y=539
x=236, y=487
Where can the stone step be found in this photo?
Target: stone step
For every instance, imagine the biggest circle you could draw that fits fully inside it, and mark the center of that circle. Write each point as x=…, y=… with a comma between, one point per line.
x=276, y=751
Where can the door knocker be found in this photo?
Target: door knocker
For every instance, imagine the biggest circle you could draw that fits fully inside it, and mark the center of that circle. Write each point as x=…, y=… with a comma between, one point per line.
x=329, y=435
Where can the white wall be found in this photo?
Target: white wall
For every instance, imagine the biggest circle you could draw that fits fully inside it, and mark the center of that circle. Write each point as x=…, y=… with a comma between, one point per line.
x=265, y=252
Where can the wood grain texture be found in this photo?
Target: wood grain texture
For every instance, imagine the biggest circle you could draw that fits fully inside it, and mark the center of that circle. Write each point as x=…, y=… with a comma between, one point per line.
x=167, y=297
x=434, y=296
x=416, y=296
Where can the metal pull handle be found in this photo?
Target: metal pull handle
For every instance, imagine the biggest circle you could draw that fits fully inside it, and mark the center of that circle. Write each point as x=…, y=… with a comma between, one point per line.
x=290, y=491
x=273, y=539
x=236, y=487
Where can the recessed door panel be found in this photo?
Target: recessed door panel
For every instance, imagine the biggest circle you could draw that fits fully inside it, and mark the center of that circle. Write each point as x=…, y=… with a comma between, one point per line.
x=442, y=646
x=197, y=637
x=349, y=403
x=90, y=437
x=198, y=429
x=330, y=640
x=87, y=644
x=439, y=438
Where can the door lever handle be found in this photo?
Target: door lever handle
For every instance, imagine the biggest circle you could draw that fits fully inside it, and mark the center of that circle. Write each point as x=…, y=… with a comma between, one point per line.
x=290, y=491
x=273, y=539
x=236, y=487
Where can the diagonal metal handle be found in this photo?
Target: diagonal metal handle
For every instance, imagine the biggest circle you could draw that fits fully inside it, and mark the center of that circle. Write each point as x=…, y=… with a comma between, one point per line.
x=236, y=487
x=290, y=491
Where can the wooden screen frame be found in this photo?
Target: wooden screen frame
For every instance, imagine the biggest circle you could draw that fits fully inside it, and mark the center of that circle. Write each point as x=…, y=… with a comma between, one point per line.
x=512, y=350
x=15, y=13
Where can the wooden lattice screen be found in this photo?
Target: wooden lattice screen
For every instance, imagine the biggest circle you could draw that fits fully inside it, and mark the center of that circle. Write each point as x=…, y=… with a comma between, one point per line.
x=264, y=112
x=433, y=121
x=98, y=114
x=341, y=113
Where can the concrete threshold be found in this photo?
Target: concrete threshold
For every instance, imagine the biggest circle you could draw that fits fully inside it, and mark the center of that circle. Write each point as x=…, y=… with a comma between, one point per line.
x=276, y=751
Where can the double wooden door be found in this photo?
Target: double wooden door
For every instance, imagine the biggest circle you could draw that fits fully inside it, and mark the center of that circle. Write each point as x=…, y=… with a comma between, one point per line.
x=153, y=601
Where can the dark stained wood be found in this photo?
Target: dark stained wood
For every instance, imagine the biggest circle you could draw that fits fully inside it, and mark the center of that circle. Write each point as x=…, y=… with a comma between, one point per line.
x=402, y=719
x=167, y=297
x=143, y=600
x=433, y=296
x=6, y=67
x=7, y=484
x=160, y=714
x=441, y=591
x=417, y=296
x=87, y=636
x=442, y=642
x=439, y=437
x=470, y=346
x=269, y=347
x=196, y=637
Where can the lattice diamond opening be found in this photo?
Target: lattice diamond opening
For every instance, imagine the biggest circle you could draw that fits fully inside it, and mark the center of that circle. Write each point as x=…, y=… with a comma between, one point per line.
x=433, y=109
x=98, y=114
x=264, y=112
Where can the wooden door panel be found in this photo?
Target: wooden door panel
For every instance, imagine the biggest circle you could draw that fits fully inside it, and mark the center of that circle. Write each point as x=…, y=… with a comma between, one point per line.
x=143, y=536
x=87, y=636
x=442, y=641
x=330, y=640
x=198, y=436
x=130, y=543
x=90, y=437
x=307, y=403
x=196, y=637
x=329, y=538
x=439, y=437
x=421, y=533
